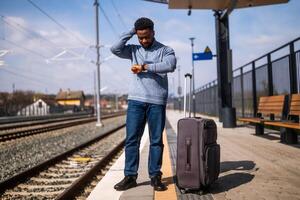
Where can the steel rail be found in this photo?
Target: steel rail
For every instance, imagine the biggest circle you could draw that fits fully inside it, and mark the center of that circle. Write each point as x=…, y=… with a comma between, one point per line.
x=81, y=182
x=22, y=176
x=38, y=122
x=51, y=127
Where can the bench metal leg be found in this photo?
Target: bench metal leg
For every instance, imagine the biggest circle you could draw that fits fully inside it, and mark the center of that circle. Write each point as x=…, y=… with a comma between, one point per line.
x=259, y=129
x=288, y=136
x=282, y=135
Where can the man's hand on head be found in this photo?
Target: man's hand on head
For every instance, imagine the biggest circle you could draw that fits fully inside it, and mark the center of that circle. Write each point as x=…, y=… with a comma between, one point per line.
x=133, y=31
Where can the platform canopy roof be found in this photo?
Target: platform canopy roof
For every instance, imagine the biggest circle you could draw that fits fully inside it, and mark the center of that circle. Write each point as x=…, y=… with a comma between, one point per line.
x=216, y=4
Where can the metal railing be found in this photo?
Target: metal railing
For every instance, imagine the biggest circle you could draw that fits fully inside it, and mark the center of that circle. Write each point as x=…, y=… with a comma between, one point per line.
x=275, y=73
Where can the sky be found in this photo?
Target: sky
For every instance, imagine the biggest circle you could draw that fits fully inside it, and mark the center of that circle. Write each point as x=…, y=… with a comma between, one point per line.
x=54, y=48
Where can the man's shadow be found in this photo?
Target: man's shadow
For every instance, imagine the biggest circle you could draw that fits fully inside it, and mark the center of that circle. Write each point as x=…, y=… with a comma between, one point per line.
x=225, y=182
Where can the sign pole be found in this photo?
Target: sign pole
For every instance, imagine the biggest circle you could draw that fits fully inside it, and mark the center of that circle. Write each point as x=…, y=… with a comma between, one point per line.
x=194, y=98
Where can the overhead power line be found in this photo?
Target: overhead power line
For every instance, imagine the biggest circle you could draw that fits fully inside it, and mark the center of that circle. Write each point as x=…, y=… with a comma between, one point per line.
x=109, y=22
x=119, y=16
x=20, y=28
x=2, y=29
x=21, y=47
x=56, y=22
x=36, y=73
x=29, y=78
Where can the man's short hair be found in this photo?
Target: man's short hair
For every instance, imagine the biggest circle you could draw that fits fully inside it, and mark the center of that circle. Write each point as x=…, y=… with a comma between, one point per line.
x=143, y=23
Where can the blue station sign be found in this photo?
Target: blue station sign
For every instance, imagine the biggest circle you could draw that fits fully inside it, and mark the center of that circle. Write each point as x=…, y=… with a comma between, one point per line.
x=206, y=55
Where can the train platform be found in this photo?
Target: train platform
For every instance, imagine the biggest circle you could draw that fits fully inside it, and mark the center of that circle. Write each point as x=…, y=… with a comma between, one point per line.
x=252, y=167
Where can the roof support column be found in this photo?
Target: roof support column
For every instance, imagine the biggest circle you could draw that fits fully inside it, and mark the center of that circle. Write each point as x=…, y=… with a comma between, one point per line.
x=227, y=113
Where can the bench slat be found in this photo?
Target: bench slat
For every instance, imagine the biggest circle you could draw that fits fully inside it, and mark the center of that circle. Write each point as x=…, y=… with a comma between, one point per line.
x=253, y=120
x=272, y=98
x=295, y=109
x=270, y=108
x=284, y=124
x=295, y=97
x=269, y=111
x=294, y=112
x=272, y=103
x=295, y=103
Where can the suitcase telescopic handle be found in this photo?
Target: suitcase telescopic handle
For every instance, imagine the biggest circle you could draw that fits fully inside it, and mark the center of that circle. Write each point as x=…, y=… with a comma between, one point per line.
x=186, y=76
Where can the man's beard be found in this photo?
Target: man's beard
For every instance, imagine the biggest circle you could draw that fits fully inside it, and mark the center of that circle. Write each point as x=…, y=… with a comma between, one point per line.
x=148, y=46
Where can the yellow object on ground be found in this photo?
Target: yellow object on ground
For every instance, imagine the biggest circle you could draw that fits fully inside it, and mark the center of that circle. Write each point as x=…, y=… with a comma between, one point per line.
x=82, y=159
x=167, y=178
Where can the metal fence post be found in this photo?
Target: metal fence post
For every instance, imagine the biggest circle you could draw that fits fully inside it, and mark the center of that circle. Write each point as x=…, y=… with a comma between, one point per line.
x=216, y=98
x=242, y=92
x=293, y=69
x=270, y=75
x=210, y=102
x=254, y=94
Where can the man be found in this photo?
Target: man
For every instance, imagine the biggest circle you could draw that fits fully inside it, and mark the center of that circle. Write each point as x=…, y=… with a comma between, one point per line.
x=147, y=100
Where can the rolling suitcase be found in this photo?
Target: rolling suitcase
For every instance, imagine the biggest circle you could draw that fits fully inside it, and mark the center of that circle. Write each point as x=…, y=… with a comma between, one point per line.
x=198, y=154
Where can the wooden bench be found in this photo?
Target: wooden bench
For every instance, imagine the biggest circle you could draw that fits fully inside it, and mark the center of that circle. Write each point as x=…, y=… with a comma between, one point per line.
x=289, y=127
x=270, y=109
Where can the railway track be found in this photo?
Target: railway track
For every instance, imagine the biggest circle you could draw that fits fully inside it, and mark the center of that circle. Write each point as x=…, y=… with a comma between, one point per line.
x=16, y=131
x=63, y=176
x=17, y=119
x=15, y=125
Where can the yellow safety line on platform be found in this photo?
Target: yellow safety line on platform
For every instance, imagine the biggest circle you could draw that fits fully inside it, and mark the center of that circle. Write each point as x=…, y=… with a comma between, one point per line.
x=167, y=178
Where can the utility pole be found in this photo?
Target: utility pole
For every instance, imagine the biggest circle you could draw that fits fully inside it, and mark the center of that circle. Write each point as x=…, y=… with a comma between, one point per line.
x=99, y=123
x=193, y=75
x=117, y=102
x=179, y=88
x=173, y=86
x=95, y=94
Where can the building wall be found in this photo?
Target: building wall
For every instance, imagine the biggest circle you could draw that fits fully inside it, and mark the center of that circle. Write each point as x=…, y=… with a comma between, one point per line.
x=69, y=102
x=37, y=108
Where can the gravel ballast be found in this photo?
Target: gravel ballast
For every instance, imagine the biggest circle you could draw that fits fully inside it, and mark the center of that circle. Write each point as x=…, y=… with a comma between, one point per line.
x=21, y=154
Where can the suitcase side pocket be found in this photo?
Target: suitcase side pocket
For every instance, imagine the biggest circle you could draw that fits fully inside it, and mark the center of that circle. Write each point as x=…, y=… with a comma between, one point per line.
x=212, y=163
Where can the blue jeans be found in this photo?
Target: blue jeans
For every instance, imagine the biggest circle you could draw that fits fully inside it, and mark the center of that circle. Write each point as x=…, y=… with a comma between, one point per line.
x=138, y=114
